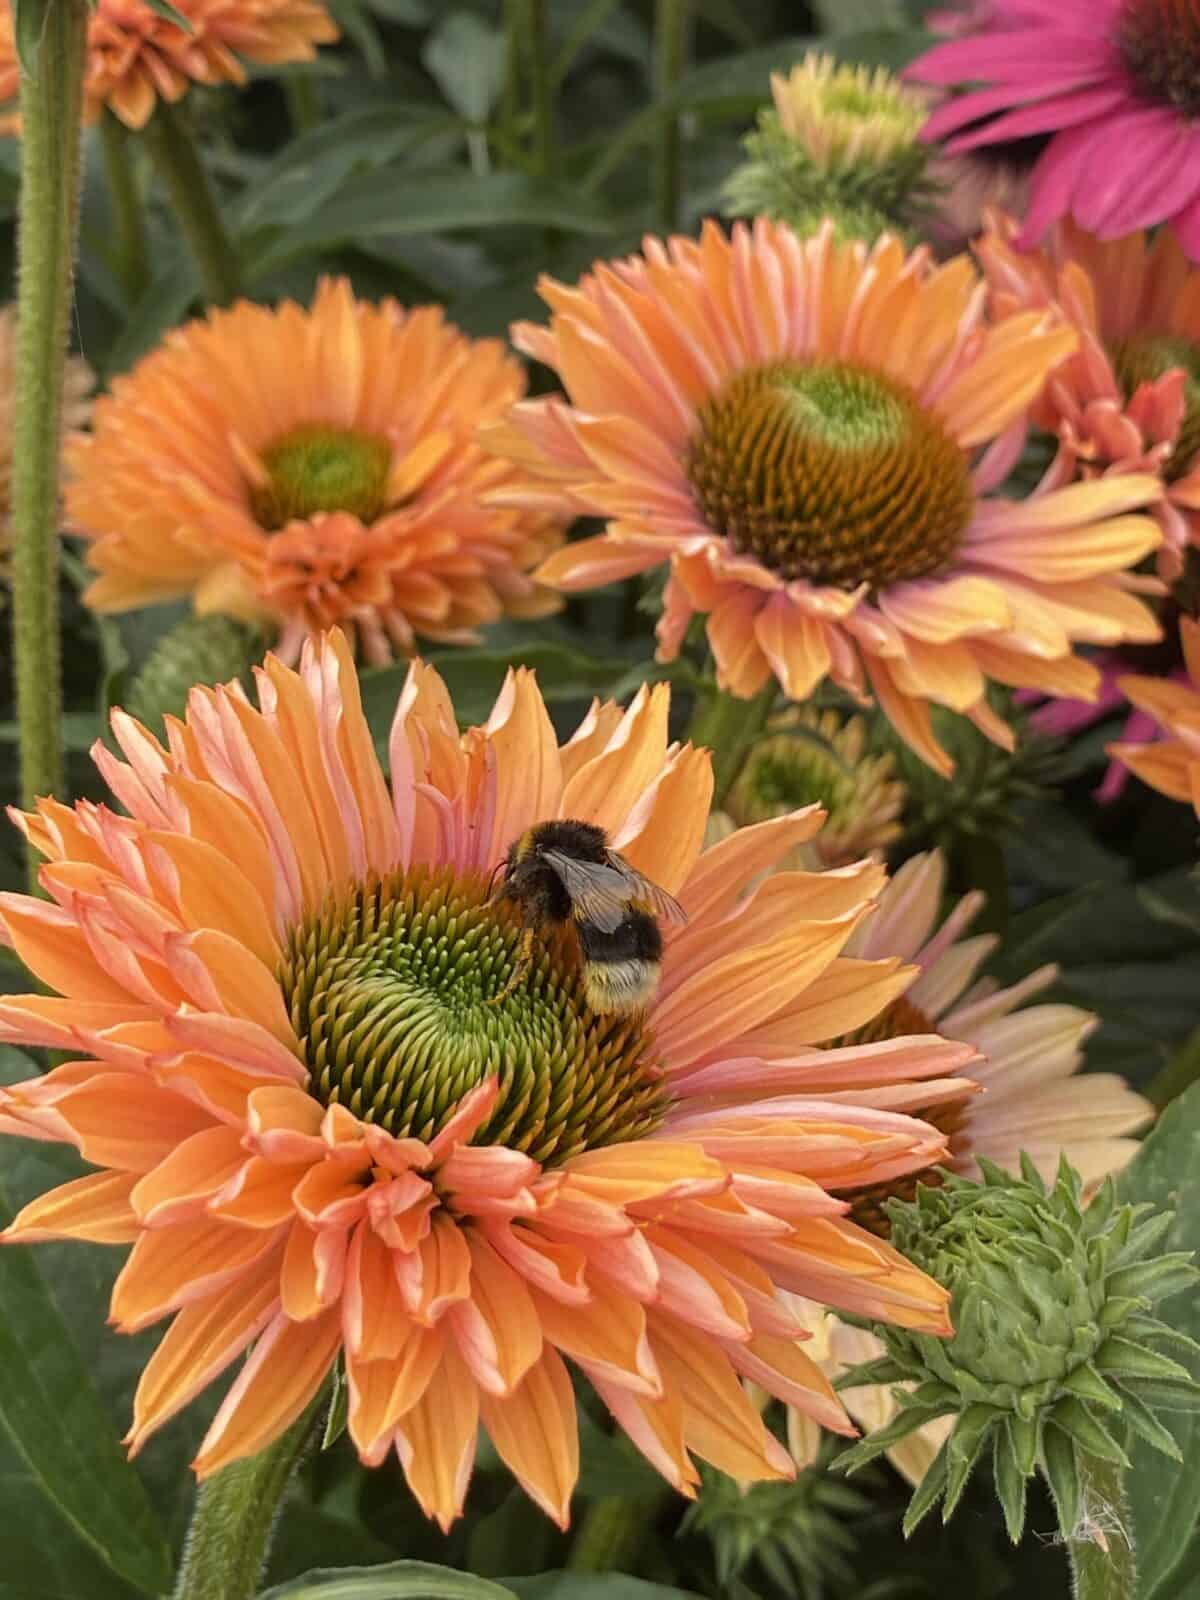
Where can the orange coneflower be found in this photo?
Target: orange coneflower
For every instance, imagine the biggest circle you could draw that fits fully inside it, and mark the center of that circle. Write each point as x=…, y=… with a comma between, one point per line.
x=137, y=57
x=1129, y=398
x=311, y=468
x=796, y=426
x=1172, y=764
x=1034, y=1101
x=331, y=1126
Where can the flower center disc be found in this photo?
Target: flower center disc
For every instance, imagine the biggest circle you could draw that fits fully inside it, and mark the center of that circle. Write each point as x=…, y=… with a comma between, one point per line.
x=1159, y=41
x=831, y=472
x=1147, y=357
x=315, y=468
x=393, y=996
x=786, y=772
x=898, y=1021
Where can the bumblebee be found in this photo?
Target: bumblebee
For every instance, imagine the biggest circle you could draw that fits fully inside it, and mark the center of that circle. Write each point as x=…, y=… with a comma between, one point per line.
x=559, y=872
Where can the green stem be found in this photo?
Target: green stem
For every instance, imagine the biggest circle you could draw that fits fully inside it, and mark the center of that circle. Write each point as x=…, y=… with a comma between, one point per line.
x=670, y=54
x=303, y=102
x=613, y=1531
x=235, y=1515
x=510, y=93
x=545, y=146
x=51, y=105
x=729, y=728
x=1103, y=1560
x=129, y=224
x=178, y=164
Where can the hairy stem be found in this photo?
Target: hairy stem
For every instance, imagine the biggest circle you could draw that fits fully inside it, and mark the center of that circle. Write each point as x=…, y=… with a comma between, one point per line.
x=235, y=1515
x=178, y=164
x=1103, y=1559
x=51, y=105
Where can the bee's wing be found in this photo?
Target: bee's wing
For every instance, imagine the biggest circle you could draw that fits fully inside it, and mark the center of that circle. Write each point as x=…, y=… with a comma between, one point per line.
x=599, y=894
x=661, y=903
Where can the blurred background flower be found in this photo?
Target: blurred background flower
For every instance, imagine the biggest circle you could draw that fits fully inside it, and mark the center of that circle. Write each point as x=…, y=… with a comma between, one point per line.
x=137, y=56
x=306, y=467
x=1129, y=398
x=1114, y=82
x=811, y=757
x=1172, y=762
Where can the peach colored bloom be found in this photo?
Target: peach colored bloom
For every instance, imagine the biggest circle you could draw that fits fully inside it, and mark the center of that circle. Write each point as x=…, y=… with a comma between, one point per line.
x=78, y=384
x=310, y=468
x=135, y=57
x=1129, y=398
x=1033, y=1100
x=797, y=427
x=1171, y=764
x=327, y=1127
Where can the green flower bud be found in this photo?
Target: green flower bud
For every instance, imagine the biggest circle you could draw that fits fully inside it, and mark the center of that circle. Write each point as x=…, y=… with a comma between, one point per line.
x=793, y=1534
x=981, y=799
x=1051, y=1362
x=839, y=141
x=201, y=650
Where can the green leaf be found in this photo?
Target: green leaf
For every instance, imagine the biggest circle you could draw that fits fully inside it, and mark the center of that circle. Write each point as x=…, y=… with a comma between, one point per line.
x=725, y=90
x=849, y=16
x=29, y=24
x=466, y=59
x=401, y=1580
x=592, y=1586
x=1010, y=1477
x=310, y=170
x=1060, y=1462
x=64, y=1433
x=1165, y=1497
x=384, y=204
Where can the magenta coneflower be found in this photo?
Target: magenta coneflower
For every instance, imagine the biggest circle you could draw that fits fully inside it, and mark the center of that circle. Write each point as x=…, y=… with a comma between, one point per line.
x=1117, y=83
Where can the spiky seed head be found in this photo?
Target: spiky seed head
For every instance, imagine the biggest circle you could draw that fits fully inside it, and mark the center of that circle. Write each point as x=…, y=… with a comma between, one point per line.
x=1054, y=1357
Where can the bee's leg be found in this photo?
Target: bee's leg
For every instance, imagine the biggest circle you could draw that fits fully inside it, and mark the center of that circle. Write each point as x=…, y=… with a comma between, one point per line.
x=522, y=965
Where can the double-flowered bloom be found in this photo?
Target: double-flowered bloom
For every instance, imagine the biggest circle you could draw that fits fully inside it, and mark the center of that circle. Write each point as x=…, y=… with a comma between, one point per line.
x=331, y=1129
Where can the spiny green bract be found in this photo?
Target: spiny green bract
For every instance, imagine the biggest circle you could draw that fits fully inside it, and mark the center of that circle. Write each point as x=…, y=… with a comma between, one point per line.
x=982, y=799
x=780, y=179
x=1051, y=1362
x=795, y=1533
x=199, y=650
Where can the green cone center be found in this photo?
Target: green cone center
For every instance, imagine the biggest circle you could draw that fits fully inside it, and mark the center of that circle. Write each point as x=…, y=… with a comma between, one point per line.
x=786, y=772
x=1149, y=356
x=1159, y=42
x=832, y=472
x=316, y=468
x=394, y=996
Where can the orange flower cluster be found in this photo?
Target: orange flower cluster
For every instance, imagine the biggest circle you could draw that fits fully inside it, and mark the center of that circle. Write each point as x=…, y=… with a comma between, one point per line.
x=137, y=57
